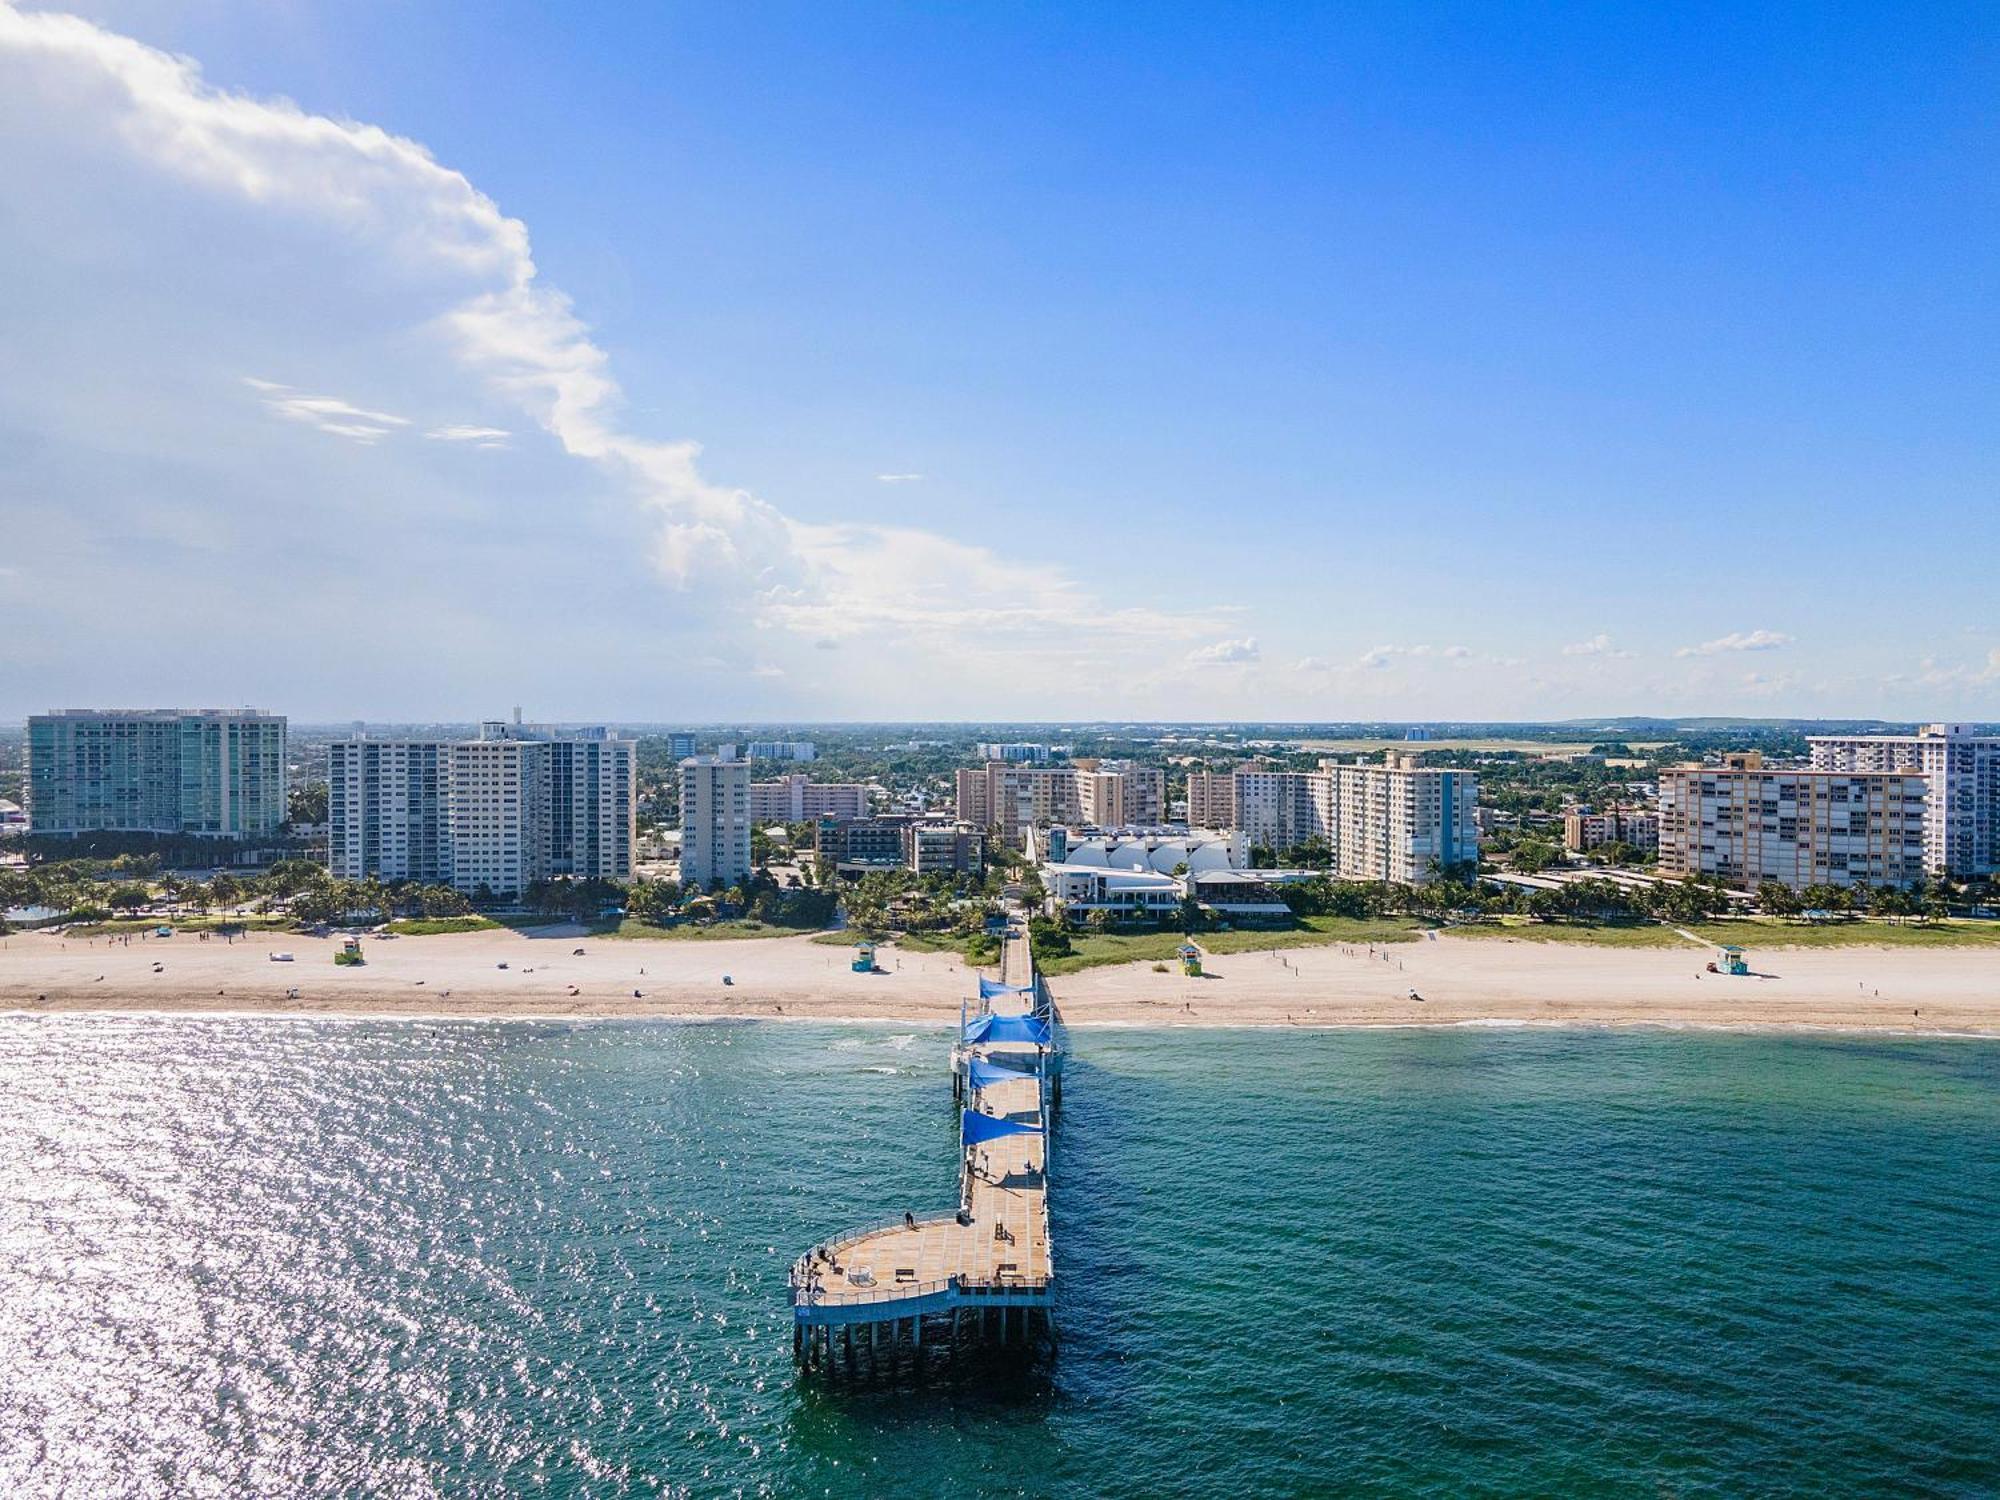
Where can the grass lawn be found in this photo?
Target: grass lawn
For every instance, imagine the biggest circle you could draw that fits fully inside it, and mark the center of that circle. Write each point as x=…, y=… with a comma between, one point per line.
x=434, y=926
x=1745, y=932
x=1311, y=932
x=1592, y=934
x=1092, y=949
x=120, y=925
x=1863, y=932
x=690, y=932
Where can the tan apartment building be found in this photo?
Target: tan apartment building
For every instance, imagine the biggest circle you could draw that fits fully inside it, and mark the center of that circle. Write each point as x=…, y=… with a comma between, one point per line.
x=1211, y=799
x=1585, y=829
x=1747, y=824
x=794, y=799
x=1012, y=796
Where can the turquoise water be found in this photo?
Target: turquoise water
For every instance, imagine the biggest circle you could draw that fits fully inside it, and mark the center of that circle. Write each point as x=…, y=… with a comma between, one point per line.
x=280, y=1258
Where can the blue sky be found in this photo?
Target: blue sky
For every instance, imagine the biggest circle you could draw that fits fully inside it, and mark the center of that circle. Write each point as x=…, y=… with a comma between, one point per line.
x=1346, y=363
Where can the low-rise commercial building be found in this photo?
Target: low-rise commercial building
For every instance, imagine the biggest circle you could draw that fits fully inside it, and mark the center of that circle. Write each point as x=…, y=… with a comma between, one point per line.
x=1162, y=850
x=1747, y=824
x=209, y=773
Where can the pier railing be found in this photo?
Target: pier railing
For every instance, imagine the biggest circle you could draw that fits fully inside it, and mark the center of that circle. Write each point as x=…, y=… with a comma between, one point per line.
x=808, y=1295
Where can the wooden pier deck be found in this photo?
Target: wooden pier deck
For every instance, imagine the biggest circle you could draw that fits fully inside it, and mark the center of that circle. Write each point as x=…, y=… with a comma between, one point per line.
x=990, y=1256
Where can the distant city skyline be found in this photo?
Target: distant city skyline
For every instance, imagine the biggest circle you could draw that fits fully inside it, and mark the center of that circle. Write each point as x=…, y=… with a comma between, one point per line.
x=793, y=366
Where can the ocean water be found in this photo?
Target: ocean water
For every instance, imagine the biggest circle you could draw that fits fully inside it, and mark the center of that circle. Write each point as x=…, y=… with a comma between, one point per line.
x=289, y=1258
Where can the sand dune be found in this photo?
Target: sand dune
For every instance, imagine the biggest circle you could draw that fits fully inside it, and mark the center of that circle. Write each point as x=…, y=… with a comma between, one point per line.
x=1459, y=980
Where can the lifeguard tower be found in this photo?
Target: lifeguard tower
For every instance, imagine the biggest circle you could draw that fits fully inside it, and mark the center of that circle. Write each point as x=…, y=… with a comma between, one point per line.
x=1729, y=959
x=864, y=957
x=1190, y=957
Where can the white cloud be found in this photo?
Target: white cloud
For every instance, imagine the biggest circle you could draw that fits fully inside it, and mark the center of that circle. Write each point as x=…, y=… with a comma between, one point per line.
x=1597, y=645
x=219, y=226
x=1455, y=653
x=899, y=478
x=1739, y=640
x=1225, y=653
x=1312, y=664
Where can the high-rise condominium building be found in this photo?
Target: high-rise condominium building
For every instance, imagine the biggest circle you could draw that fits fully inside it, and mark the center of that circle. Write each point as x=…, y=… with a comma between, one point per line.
x=215, y=773
x=1748, y=824
x=495, y=814
x=1015, y=751
x=1107, y=792
x=781, y=750
x=1397, y=821
x=715, y=820
x=681, y=745
x=1211, y=799
x=793, y=799
x=1961, y=772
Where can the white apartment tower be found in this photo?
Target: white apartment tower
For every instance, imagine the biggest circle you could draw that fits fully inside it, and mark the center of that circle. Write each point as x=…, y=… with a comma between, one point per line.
x=1397, y=821
x=1961, y=772
x=520, y=803
x=715, y=820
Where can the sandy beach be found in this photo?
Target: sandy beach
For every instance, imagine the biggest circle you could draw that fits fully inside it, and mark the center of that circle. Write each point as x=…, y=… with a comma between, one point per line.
x=1458, y=980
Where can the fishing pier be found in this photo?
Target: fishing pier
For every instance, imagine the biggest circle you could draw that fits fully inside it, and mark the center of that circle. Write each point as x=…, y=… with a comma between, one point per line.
x=869, y=1302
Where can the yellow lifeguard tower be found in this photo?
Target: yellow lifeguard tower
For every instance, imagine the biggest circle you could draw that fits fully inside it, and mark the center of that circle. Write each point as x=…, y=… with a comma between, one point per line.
x=1190, y=957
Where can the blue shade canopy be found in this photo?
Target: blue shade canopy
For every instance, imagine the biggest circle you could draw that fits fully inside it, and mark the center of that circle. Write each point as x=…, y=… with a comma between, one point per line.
x=975, y=1127
x=985, y=1074
x=1008, y=1029
x=988, y=988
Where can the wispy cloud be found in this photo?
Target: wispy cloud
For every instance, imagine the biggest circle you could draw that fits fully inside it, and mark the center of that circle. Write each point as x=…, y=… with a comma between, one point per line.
x=328, y=413
x=479, y=437
x=1931, y=673
x=1597, y=645
x=1312, y=664
x=1739, y=640
x=899, y=478
x=1382, y=656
